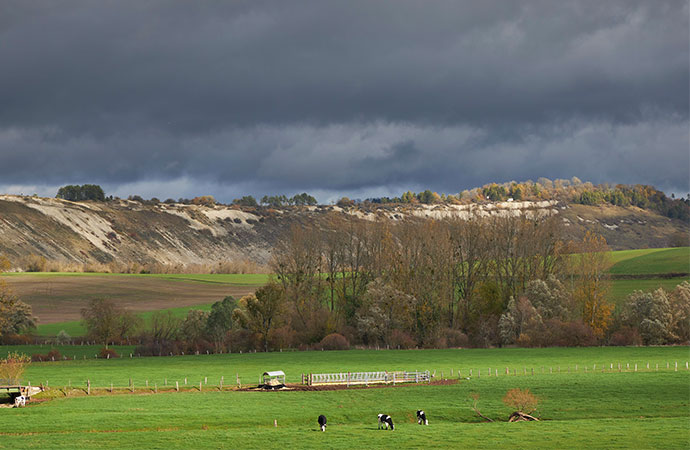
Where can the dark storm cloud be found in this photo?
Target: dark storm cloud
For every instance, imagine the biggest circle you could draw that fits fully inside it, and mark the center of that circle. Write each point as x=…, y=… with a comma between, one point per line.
x=364, y=97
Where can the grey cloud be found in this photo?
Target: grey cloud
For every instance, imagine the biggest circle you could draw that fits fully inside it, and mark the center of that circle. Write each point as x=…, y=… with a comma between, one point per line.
x=358, y=97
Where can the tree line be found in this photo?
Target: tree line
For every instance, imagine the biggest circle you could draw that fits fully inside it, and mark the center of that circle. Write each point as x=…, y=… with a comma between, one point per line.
x=491, y=281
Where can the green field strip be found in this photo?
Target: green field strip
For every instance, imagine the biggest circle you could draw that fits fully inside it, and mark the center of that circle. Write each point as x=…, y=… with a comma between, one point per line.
x=249, y=366
x=672, y=260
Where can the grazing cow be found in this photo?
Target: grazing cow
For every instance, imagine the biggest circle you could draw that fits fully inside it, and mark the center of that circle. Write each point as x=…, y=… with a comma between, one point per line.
x=421, y=417
x=386, y=421
x=322, y=422
x=19, y=401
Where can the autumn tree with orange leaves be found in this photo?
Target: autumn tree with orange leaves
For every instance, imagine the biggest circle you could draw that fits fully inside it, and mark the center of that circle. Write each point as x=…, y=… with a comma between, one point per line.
x=591, y=284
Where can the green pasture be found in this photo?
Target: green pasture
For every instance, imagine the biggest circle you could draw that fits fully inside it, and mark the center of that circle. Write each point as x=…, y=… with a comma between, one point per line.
x=250, y=366
x=644, y=409
x=651, y=261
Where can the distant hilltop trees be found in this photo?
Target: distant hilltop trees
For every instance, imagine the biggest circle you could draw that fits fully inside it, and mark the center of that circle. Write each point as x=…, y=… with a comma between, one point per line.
x=568, y=191
x=76, y=193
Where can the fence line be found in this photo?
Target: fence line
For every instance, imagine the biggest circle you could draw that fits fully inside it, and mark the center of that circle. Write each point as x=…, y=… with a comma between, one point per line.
x=388, y=377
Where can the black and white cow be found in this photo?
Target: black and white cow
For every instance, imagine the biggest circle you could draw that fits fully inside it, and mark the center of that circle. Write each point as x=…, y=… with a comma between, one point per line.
x=19, y=401
x=386, y=422
x=421, y=418
x=322, y=422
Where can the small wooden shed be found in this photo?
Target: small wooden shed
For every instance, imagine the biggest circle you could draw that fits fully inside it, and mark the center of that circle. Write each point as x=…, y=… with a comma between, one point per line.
x=274, y=378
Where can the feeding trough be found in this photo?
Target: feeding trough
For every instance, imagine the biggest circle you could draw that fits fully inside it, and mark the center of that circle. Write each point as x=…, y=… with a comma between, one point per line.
x=273, y=380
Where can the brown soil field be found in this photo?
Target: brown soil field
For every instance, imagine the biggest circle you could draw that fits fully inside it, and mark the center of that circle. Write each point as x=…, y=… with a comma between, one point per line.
x=61, y=298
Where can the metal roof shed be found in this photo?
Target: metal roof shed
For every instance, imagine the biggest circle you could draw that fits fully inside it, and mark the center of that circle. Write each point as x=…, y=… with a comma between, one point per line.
x=274, y=378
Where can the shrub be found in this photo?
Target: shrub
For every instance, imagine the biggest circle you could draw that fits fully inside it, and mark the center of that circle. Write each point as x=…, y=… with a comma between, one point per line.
x=63, y=338
x=52, y=355
x=400, y=339
x=283, y=337
x=565, y=334
x=35, y=263
x=521, y=400
x=16, y=339
x=626, y=336
x=106, y=353
x=456, y=338
x=12, y=367
x=334, y=341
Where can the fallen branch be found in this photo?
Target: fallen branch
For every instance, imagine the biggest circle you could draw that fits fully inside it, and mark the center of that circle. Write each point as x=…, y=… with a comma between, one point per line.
x=518, y=416
x=475, y=397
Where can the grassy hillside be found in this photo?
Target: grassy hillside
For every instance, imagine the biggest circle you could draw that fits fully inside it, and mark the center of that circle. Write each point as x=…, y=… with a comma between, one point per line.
x=645, y=409
x=651, y=261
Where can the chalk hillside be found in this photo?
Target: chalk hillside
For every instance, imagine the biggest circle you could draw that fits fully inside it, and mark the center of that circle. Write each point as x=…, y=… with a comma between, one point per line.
x=127, y=231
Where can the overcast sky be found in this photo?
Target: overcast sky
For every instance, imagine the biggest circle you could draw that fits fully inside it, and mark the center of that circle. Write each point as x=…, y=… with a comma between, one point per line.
x=358, y=98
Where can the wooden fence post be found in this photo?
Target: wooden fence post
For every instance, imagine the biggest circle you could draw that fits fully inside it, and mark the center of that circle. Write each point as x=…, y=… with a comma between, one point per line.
x=177, y=386
x=88, y=387
x=199, y=385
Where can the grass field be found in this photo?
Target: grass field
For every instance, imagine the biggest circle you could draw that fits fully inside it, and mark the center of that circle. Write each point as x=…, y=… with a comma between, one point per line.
x=645, y=409
x=651, y=261
x=250, y=366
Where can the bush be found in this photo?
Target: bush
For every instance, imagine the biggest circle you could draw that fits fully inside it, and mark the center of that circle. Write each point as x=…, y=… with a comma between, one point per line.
x=16, y=339
x=106, y=353
x=12, y=367
x=244, y=340
x=626, y=336
x=152, y=348
x=35, y=263
x=283, y=337
x=456, y=339
x=565, y=334
x=52, y=355
x=400, y=339
x=521, y=400
x=334, y=341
